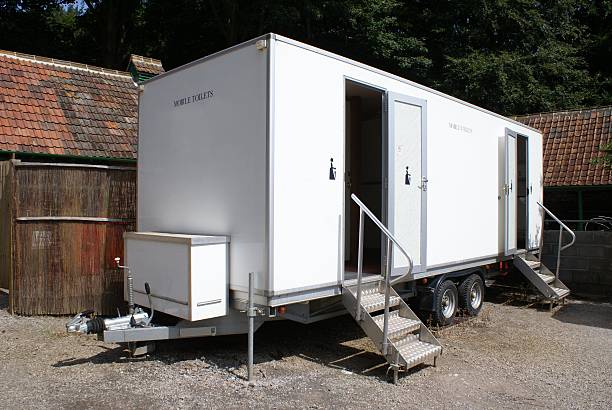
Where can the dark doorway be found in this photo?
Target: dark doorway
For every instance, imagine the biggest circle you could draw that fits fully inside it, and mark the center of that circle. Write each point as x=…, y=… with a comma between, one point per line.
x=522, y=192
x=364, y=159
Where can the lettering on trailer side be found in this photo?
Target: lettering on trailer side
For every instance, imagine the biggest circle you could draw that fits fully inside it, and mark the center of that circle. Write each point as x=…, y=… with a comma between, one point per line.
x=459, y=127
x=200, y=96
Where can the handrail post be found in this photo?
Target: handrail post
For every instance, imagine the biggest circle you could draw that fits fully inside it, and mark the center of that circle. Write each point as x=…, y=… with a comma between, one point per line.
x=559, y=252
x=251, y=315
x=561, y=247
x=359, y=266
x=387, y=294
x=541, y=244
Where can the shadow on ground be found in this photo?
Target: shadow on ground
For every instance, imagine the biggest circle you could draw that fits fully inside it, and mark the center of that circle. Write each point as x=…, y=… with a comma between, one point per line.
x=326, y=342
x=586, y=313
x=338, y=342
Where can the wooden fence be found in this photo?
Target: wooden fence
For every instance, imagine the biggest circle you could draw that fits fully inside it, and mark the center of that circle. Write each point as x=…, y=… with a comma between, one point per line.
x=61, y=227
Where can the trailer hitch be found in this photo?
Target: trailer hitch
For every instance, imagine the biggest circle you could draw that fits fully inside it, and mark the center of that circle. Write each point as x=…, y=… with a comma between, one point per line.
x=85, y=322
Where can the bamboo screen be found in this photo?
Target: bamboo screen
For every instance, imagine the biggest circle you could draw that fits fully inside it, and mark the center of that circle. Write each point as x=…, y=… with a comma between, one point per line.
x=67, y=227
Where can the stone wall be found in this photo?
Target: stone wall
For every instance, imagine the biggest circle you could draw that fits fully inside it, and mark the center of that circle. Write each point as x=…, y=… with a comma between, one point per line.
x=586, y=267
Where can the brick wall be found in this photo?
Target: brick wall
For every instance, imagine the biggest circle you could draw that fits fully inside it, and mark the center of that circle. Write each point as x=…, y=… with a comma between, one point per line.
x=586, y=267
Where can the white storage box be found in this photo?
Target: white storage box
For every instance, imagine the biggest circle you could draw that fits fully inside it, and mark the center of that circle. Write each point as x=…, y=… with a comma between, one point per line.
x=187, y=274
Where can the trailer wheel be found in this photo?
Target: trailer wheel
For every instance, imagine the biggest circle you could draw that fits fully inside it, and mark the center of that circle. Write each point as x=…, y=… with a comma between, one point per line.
x=471, y=294
x=446, y=299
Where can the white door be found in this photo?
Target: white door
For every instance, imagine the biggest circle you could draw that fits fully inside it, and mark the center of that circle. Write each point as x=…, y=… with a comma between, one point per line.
x=407, y=189
x=510, y=194
x=535, y=192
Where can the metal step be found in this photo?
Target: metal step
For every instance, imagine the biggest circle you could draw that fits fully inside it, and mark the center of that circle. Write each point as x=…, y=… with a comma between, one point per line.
x=546, y=278
x=399, y=326
x=407, y=340
x=417, y=352
x=541, y=277
x=376, y=301
x=561, y=293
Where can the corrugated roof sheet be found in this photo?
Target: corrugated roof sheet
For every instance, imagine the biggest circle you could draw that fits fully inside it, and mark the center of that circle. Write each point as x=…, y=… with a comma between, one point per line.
x=56, y=107
x=572, y=140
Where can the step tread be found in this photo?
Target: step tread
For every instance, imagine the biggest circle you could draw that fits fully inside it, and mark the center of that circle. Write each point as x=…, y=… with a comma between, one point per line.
x=406, y=340
x=418, y=352
x=398, y=325
x=532, y=264
x=376, y=301
x=561, y=293
x=546, y=278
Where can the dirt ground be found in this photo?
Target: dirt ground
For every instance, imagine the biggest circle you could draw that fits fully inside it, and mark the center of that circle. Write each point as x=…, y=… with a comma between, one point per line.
x=508, y=357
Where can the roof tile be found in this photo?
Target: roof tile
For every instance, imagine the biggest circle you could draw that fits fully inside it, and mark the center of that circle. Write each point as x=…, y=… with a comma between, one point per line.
x=65, y=108
x=572, y=140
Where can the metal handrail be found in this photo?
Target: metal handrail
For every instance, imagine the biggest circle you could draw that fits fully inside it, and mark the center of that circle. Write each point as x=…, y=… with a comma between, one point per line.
x=388, y=282
x=561, y=247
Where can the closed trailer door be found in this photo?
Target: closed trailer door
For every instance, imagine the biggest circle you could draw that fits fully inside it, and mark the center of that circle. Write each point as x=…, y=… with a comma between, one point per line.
x=407, y=185
x=510, y=193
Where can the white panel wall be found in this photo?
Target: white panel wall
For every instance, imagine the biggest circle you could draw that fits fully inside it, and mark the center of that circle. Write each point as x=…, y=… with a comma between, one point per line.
x=202, y=165
x=463, y=189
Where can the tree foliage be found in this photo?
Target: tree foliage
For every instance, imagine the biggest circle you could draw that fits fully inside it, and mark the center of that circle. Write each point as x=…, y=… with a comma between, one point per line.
x=511, y=56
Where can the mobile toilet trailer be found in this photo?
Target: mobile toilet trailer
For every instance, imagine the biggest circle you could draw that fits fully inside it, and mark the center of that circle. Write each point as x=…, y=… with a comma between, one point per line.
x=303, y=170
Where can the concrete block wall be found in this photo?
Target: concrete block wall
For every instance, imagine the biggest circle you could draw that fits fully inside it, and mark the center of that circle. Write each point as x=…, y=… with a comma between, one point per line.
x=586, y=267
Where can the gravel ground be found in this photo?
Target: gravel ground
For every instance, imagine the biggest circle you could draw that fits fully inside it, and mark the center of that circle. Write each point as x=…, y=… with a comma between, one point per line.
x=508, y=357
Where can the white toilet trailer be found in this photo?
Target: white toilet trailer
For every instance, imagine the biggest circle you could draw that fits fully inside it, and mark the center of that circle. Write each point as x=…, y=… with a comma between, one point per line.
x=284, y=181
x=261, y=146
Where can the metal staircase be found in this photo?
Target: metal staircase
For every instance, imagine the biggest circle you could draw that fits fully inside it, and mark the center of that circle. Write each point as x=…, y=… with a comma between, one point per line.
x=386, y=319
x=543, y=279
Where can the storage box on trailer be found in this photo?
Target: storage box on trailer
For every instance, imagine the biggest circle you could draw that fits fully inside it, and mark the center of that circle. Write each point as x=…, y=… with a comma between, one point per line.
x=265, y=141
x=188, y=273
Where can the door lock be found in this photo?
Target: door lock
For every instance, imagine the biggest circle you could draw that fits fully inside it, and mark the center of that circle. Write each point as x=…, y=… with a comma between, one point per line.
x=424, y=182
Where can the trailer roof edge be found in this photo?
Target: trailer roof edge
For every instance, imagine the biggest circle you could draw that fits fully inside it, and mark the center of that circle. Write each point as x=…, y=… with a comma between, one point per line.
x=287, y=40
x=393, y=76
x=210, y=56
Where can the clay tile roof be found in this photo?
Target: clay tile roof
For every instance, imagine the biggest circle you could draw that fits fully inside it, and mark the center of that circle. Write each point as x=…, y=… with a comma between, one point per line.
x=146, y=64
x=57, y=107
x=572, y=140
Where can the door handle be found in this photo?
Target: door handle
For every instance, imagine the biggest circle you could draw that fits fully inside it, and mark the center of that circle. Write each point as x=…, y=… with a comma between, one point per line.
x=424, y=182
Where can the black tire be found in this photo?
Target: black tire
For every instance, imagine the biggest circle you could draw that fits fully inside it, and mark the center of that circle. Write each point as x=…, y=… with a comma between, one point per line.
x=471, y=294
x=446, y=300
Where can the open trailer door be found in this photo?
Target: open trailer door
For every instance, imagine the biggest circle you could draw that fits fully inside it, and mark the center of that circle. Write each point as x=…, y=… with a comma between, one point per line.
x=510, y=177
x=407, y=189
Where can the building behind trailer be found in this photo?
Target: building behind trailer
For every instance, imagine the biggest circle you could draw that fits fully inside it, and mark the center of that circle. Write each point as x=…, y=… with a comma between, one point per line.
x=68, y=135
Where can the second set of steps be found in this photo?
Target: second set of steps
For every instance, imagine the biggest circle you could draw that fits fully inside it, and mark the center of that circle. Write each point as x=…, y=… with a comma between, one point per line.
x=541, y=278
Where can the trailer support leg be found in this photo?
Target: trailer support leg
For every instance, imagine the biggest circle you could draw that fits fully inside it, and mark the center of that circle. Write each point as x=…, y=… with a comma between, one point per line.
x=251, y=316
